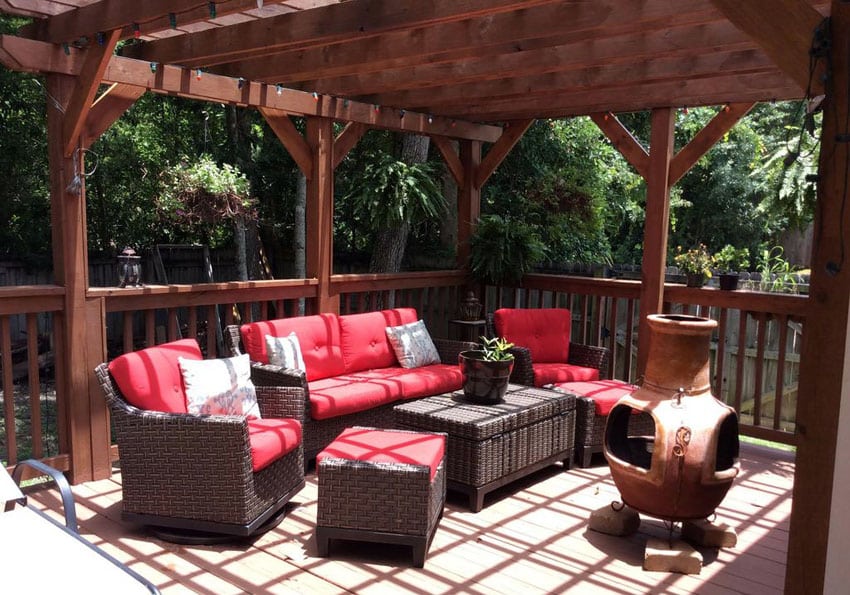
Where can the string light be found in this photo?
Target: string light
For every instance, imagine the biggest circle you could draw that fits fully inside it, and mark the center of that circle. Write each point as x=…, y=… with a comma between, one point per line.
x=605, y=117
x=198, y=73
x=172, y=20
x=430, y=119
x=726, y=108
x=685, y=110
x=454, y=123
x=211, y=6
x=100, y=37
x=153, y=66
x=240, y=83
x=137, y=32
x=376, y=107
x=66, y=48
x=278, y=89
x=315, y=96
x=401, y=114
x=345, y=103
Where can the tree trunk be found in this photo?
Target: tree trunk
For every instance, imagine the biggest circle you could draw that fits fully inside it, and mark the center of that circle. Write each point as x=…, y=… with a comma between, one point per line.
x=390, y=243
x=241, y=254
x=299, y=237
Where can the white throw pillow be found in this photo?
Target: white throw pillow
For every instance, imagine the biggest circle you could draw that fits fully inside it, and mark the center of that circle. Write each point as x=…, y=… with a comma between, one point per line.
x=285, y=352
x=220, y=386
x=413, y=345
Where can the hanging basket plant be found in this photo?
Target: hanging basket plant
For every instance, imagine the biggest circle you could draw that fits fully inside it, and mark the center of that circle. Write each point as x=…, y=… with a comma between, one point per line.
x=503, y=250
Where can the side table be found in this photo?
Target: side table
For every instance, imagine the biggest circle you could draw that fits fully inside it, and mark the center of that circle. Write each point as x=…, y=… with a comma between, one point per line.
x=467, y=330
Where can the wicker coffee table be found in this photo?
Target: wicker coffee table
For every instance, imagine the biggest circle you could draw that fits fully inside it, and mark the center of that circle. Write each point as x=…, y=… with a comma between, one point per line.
x=490, y=446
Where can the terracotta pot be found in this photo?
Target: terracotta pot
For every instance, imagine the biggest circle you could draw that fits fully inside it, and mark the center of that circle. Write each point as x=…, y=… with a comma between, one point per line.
x=685, y=471
x=484, y=382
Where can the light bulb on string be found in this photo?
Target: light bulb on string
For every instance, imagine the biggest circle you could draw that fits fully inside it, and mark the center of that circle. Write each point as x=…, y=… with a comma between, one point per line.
x=240, y=83
x=212, y=10
x=279, y=89
x=137, y=32
x=172, y=20
x=198, y=73
x=153, y=66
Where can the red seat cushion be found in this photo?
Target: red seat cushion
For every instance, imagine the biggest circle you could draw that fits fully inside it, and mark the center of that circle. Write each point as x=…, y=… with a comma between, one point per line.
x=271, y=439
x=544, y=331
x=318, y=336
x=605, y=393
x=387, y=446
x=555, y=373
x=150, y=378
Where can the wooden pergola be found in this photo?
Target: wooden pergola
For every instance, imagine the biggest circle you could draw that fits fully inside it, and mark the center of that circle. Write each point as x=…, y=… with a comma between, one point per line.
x=479, y=72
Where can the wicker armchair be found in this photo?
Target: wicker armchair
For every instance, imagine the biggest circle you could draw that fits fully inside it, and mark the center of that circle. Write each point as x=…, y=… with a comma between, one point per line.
x=319, y=433
x=190, y=477
x=579, y=354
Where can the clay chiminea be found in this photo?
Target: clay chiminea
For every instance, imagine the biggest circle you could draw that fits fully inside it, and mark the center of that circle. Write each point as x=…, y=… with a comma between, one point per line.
x=685, y=471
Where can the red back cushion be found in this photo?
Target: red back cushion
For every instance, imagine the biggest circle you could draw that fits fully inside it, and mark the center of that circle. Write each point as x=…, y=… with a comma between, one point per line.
x=150, y=379
x=318, y=336
x=545, y=331
x=387, y=446
x=364, y=338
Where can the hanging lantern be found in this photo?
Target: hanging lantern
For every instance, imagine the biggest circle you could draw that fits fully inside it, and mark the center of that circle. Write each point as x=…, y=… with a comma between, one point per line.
x=129, y=268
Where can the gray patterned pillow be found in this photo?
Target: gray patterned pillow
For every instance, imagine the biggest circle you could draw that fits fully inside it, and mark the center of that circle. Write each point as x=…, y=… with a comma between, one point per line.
x=413, y=345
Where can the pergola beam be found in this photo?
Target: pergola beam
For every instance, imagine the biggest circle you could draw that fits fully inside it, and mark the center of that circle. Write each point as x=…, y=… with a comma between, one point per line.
x=624, y=141
x=149, y=16
x=321, y=25
x=285, y=130
x=706, y=138
x=87, y=82
x=785, y=29
x=347, y=140
x=450, y=157
x=511, y=134
x=34, y=56
x=107, y=108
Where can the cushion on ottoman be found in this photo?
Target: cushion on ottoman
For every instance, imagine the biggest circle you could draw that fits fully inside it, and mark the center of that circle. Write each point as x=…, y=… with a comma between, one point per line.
x=605, y=393
x=379, y=446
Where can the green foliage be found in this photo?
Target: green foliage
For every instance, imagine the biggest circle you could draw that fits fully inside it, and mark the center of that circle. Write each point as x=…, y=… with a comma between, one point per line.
x=777, y=274
x=730, y=258
x=696, y=261
x=503, y=249
x=389, y=192
x=496, y=349
x=202, y=195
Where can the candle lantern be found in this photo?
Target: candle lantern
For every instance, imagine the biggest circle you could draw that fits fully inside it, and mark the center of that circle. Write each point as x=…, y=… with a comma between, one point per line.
x=129, y=269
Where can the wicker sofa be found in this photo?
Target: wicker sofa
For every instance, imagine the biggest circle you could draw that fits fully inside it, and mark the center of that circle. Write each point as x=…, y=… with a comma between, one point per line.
x=352, y=376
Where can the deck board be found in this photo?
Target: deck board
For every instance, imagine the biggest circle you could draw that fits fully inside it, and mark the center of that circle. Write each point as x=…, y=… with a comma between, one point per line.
x=531, y=538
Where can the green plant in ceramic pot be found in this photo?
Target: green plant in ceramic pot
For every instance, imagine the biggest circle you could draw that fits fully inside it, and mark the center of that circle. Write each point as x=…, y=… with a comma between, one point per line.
x=729, y=261
x=486, y=371
x=695, y=263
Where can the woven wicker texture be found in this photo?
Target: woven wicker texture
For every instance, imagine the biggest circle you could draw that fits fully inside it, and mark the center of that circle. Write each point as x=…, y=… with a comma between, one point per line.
x=196, y=466
x=380, y=497
x=486, y=442
x=319, y=433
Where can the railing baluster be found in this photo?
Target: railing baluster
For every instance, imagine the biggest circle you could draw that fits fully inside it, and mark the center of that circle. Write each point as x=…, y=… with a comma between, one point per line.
x=8, y=391
x=782, y=321
x=612, y=335
x=719, y=362
x=761, y=322
x=128, y=331
x=34, y=380
x=630, y=318
x=211, y=330
x=193, y=322
x=150, y=327
x=739, y=363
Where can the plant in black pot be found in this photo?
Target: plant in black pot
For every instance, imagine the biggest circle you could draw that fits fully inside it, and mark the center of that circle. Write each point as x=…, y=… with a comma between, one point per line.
x=486, y=371
x=729, y=261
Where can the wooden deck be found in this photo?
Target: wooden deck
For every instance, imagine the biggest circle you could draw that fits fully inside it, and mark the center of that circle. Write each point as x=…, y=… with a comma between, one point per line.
x=530, y=538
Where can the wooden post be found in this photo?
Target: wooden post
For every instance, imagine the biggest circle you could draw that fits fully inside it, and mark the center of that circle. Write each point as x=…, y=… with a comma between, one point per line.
x=655, y=227
x=320, y=206
x=468, y=199
x=818, y=529
x=86, y=421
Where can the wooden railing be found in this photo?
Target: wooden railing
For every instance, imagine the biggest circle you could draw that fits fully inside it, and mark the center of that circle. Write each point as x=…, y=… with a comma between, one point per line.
x=755, y=353
x=31, y=359
x=755, y=350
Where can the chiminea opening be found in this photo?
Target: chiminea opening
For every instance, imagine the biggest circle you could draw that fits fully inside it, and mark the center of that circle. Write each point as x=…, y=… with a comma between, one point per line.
x=635, y=450
x=727, y=443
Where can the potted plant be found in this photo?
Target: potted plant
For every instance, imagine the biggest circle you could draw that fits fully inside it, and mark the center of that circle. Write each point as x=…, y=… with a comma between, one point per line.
x=486, y=371
x=695, y=264
x=729, y=260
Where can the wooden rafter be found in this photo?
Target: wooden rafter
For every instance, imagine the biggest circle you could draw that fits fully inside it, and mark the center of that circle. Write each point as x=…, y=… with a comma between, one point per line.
x=706, y=138
x=511, y=134
x=91, y=73
x=450, y=157
x=784, y=28
x=149, y=16
x=321, y=25
x=294, y=142
x=624, y=141
x=109, y=107
x=31, y=56
x=347, y=140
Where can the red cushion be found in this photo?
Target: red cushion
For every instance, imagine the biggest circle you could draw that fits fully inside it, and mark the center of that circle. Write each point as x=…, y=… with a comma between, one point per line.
x=271, y=439
x=150, y=378
x=399, y=316
x=341, y=395
x=556, y=373
x=605, y=393
x=364, y=342
x=544, y=331
x=318, y=337
x=429, y=380
x=386, y=446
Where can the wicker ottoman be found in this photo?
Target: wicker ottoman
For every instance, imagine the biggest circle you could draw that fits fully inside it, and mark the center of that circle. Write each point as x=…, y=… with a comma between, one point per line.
x=593, y=403
x=385, y=486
